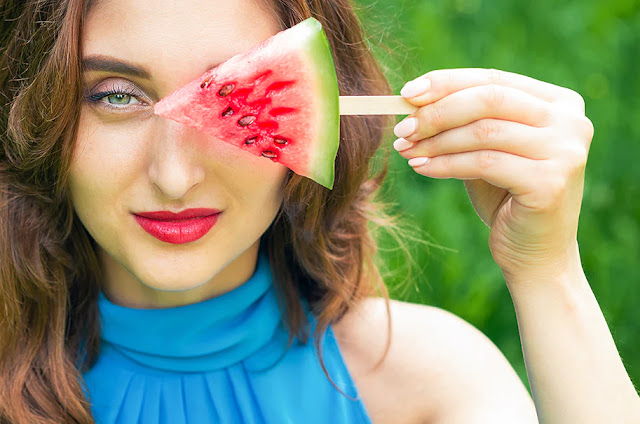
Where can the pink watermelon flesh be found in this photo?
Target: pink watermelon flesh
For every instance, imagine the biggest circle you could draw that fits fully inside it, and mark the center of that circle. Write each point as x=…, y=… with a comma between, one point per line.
x=278, y=100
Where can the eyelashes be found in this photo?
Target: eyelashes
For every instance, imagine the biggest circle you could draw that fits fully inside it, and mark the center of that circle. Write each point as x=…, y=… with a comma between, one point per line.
x=116, y=90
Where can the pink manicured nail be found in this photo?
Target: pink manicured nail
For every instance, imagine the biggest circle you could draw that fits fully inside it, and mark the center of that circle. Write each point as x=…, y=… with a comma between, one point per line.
x=402, y=144
x=413, y=162
x=415, y=87
x=406, y=127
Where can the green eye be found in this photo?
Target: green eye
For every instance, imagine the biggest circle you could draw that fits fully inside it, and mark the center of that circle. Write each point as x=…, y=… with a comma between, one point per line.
x=116, y=98
x=119, y=99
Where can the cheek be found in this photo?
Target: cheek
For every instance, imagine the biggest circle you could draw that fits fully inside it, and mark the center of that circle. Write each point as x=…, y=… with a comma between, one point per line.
x=269, y=191
x=103, y=162
x=260, y=180
x=104, y=153
x=255, y=189
x=113, y=147
x=247, y=178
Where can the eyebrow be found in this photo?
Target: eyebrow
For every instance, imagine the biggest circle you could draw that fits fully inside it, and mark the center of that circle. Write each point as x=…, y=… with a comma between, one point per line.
x=104, y=63
x=110, y=64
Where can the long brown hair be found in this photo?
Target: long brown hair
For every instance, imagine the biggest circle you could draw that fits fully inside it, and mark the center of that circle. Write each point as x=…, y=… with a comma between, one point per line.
x=320, y=246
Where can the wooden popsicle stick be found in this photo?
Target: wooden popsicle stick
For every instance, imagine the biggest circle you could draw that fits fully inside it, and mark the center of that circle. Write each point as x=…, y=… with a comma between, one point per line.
x=375, y=105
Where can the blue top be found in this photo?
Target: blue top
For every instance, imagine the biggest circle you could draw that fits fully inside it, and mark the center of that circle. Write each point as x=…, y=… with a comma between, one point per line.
x=222, y=360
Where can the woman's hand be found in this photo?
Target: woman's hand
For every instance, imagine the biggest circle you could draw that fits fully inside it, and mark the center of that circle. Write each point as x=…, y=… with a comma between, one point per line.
x=521, y=146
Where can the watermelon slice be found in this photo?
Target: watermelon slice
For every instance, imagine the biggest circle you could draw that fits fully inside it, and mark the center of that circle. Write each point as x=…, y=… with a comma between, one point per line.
x=279, y=100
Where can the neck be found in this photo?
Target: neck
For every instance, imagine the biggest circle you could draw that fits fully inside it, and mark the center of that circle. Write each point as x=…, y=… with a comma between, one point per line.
x=124, y=288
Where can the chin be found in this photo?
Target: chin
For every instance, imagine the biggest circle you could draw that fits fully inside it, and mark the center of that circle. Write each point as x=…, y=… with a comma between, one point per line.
x=173, y=288
x=177, y=283
x=176, y=278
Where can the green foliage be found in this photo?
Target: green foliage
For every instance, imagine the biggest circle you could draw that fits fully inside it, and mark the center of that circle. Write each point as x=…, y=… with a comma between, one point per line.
x=590, y=46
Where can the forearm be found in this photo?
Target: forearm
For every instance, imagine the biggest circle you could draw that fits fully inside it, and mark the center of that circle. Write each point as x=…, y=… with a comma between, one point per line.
x=575, y=371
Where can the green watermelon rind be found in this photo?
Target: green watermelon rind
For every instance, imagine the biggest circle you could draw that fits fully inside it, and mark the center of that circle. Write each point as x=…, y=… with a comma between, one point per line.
x=325, y=150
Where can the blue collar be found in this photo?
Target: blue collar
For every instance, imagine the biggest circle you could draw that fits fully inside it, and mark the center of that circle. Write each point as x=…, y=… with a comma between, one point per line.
x=245, y=323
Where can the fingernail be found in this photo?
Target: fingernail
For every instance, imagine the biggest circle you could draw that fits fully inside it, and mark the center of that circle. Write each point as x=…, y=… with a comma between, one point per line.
x=402, y=144
x=413, y=162
x=415, y=87
x=406, y=127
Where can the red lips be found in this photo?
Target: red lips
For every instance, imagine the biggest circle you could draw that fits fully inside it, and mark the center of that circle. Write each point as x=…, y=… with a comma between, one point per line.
x=185, y=214
x=177, y=228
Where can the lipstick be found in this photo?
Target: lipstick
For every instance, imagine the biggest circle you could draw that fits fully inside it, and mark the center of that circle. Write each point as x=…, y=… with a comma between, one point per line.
x=177, y=228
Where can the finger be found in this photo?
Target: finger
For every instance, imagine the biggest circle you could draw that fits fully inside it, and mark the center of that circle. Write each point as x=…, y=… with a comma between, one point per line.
x=472, y=104
x=514, y=173
x=485, y=134
x=440, y=83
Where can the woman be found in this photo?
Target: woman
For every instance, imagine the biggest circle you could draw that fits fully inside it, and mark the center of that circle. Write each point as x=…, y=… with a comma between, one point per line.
x=103, y=322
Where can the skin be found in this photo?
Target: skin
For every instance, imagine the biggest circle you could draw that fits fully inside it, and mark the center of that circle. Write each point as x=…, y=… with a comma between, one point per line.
x=129, y=160
x=520, y=146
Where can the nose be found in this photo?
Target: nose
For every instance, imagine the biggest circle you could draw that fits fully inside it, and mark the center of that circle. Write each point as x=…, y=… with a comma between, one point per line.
x=175, y=167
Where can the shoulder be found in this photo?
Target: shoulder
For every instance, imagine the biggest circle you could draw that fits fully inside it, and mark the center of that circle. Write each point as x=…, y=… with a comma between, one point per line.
x=439, y=368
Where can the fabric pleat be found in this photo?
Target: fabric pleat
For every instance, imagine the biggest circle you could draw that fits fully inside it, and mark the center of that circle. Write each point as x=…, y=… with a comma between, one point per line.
x=222, y=360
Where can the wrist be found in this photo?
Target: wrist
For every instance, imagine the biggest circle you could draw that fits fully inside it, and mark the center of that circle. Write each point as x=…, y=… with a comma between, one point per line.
x=562, y=270
x=551, y=291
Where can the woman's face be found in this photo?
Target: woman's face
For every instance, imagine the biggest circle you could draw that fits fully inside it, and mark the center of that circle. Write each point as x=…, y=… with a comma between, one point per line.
x=128, y=160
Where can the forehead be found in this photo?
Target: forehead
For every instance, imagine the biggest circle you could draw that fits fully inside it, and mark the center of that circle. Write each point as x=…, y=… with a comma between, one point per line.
x=176, y=39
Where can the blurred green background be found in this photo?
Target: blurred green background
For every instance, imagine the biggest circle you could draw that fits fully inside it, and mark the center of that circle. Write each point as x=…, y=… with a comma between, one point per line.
x=592, y=47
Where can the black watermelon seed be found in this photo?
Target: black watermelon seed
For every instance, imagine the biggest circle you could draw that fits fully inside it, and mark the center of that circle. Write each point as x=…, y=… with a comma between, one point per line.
x=206, y=82
x=246, y=120
x=280, y=140
x=226, y=89
x=251, y=140
x=269, y=154
x=228, y=112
